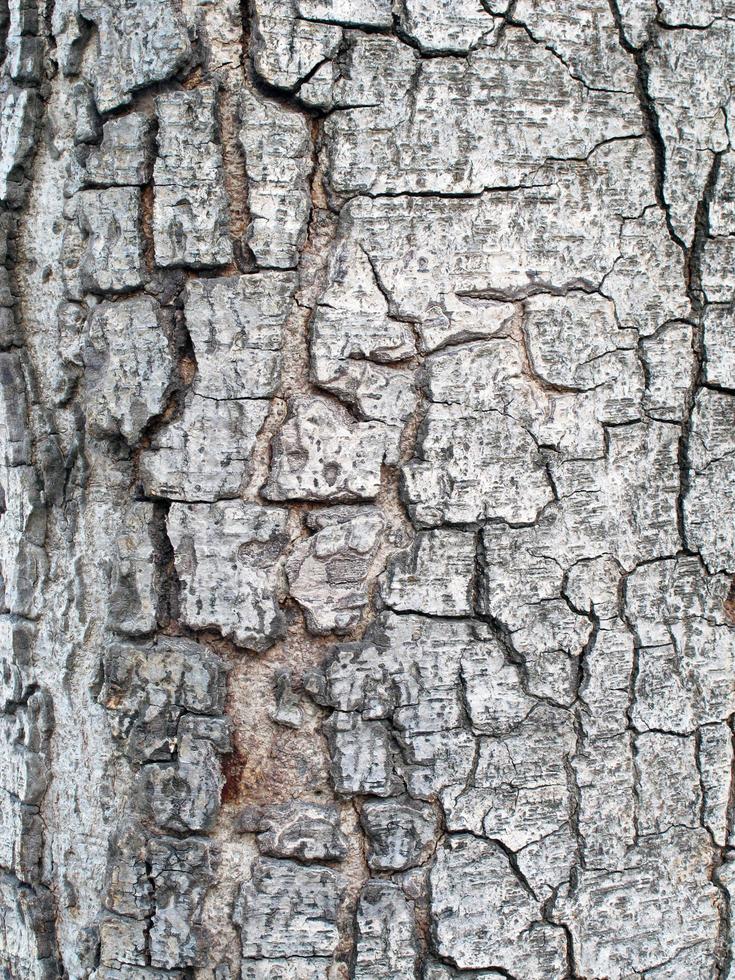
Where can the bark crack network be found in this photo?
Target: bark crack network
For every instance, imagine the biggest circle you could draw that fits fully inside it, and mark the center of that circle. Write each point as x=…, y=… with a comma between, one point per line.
x=366, y=489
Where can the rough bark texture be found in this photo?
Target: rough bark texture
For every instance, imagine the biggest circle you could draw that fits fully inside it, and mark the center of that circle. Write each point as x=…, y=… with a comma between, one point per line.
x=367, y=489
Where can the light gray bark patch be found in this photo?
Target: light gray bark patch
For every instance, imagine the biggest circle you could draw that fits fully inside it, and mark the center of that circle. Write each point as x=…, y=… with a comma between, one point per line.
x=719, y=346
x=125, y=155
x=134, y=594
x=434, y=577
x=227, y=557
x=205, y=454
x=277, y=147
x=357, y=348
x=303, y=831
x=138, y=43
x=500, y=922
x=19, y=113
x=286, y=49
x=650, y=882
x=112, y=259
x=386, y=943
x=128, y=367
x=190, y=209
x=289, y=910
x=329, y=572
x=236, y=325
x=401, y=834
x=711, y=471
x=498, y=126
x=321, y=453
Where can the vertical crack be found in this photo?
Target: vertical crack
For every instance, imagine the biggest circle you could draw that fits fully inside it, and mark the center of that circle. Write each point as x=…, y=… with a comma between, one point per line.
x=696, y=296
x=650, y=119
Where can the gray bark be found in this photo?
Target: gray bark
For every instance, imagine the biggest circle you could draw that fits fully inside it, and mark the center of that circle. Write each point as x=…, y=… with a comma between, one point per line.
x=367, y=484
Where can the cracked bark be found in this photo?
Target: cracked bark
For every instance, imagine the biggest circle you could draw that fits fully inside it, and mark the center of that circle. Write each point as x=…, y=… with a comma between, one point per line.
x=367, y=547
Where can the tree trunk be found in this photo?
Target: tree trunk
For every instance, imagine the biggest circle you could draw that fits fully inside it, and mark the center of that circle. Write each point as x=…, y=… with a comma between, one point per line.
x=368, y=489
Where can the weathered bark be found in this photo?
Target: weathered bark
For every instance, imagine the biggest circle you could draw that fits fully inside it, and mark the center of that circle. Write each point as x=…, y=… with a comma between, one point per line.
x=368, y=489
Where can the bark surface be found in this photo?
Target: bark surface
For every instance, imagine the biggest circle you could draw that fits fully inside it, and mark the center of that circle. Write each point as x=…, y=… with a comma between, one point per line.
x=367, y=489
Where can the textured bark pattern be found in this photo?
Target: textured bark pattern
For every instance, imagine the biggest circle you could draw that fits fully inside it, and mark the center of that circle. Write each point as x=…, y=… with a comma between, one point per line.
x=367, y=489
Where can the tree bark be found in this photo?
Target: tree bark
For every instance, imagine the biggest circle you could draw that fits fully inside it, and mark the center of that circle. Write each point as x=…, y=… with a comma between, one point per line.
x=368, y=489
